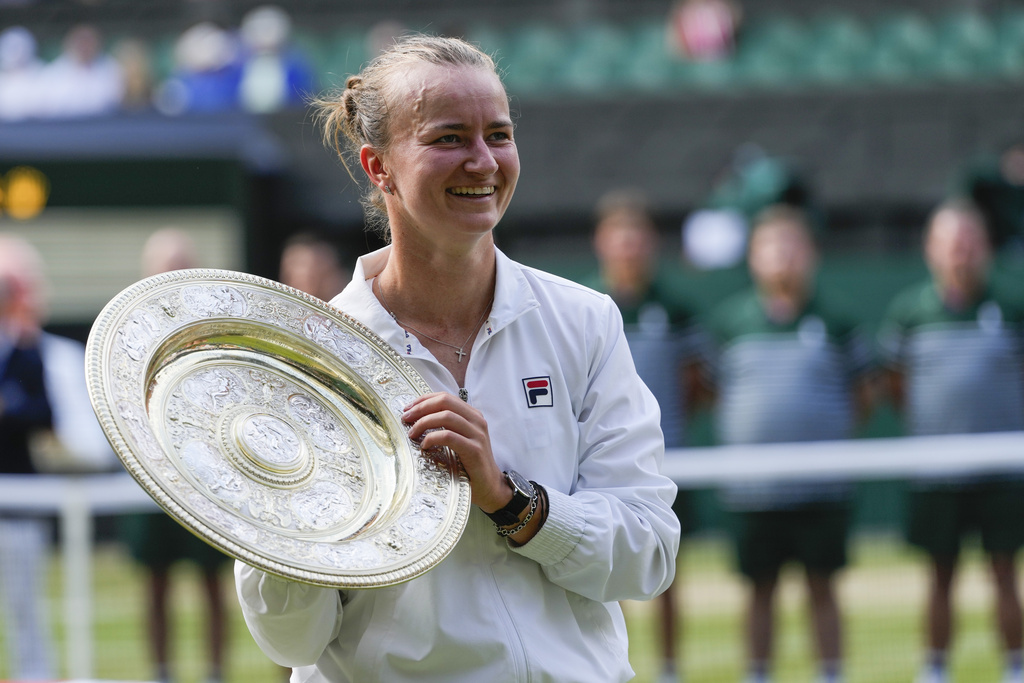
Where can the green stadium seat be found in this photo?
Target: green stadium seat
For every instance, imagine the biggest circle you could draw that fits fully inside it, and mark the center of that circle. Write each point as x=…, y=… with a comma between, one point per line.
x=905, y=46
x=839, y=50
x=536, y=55
x=771, y=53
x=1009, y=27
x=596, y=58
x=967, y=46
x=722, y=74
x=650, y=63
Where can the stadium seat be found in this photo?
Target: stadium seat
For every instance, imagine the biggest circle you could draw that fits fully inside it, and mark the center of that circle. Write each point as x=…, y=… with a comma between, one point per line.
x=770, y=52
x=967, y=46
x=598, y=52
x=649, y=63
x=838, y=51
x=1010, y=36
x=905, y=45
x=536, y=55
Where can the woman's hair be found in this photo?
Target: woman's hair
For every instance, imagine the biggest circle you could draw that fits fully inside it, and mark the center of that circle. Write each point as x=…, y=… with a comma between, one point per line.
x=360, y=114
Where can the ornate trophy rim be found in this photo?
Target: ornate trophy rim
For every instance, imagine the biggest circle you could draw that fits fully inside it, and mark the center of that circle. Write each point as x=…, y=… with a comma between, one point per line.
x=268, y=423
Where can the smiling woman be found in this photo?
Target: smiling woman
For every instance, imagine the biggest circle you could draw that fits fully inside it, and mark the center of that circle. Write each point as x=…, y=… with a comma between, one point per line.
x=530, y=373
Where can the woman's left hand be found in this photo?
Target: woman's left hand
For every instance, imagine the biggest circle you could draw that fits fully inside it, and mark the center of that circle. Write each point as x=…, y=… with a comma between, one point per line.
x=441, y=419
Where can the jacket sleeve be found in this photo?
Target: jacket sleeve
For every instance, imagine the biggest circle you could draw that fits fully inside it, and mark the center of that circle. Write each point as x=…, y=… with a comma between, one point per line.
x=291, y=622
x=615, y=536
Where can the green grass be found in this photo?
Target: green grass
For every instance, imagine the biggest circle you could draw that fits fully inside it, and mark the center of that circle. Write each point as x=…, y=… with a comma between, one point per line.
x=882, y=595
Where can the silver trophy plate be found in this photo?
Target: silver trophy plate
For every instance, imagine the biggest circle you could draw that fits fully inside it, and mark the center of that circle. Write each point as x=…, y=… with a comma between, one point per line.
x=268, y=423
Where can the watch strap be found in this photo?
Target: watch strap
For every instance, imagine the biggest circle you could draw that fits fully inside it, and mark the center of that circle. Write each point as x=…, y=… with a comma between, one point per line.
x=509, y=515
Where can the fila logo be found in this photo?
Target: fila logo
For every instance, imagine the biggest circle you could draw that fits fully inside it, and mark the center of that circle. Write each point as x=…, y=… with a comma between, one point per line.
x=538, y=392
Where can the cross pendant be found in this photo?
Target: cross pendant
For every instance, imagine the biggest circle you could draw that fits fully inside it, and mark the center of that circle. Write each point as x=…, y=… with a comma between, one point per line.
x=460, y=353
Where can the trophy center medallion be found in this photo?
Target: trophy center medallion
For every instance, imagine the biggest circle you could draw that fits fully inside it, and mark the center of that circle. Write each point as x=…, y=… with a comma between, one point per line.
x=271, y=443
x=266, y=448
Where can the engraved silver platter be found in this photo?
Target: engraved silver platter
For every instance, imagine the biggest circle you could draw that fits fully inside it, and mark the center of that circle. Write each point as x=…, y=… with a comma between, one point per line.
x=269, y=424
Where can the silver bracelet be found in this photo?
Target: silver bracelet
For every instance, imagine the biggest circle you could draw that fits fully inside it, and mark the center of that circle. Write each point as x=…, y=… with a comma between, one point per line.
x=529, y=515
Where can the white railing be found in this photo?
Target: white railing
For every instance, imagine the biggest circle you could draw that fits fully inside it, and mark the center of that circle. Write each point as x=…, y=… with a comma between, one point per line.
x=76, y=499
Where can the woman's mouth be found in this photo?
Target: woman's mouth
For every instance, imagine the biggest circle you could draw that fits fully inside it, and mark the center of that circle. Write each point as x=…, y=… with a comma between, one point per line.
x=471, y=191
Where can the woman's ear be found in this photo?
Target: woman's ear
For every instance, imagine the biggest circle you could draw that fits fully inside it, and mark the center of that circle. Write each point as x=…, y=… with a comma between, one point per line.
x=373, y=165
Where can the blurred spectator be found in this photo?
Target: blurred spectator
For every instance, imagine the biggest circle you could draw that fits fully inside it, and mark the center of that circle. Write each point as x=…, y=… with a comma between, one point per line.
x=704, y=30
x=312, y=264
x=275, y=74
x=715, y=235
x=83, y=80
x=136, y=66
x=24, y=538
x=791, y=368
x=156, y=540
x=207, y=72
x=664, y=341
x=76, y=442
x=996, y=185
x=20, y=89
x=954, y=345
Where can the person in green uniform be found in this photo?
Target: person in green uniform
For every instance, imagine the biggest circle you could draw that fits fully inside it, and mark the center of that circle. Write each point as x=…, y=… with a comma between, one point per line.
x=954, y=348
x=791, y=366
x=155, y=540
x=667, y=347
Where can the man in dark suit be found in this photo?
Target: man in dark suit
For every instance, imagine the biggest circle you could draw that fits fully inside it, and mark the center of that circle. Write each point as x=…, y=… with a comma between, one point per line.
x=24, y=410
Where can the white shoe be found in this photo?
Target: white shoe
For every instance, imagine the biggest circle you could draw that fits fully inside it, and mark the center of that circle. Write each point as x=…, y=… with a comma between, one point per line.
x=931, y=675
x=668, y=677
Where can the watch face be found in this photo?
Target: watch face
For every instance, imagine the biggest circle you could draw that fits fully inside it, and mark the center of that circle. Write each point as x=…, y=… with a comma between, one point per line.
x=519, y=483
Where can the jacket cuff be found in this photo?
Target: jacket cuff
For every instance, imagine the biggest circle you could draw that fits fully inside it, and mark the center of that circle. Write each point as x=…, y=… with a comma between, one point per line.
x=562, y=531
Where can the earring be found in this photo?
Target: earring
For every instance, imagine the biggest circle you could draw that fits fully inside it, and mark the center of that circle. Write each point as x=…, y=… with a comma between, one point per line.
x=387, y=188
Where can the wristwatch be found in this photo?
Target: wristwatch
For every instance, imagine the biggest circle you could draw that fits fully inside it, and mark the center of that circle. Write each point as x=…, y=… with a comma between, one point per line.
x=522, y=493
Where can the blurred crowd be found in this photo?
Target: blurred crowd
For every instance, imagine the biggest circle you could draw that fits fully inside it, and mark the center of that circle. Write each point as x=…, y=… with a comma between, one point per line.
x=781, y=360
x=785, y=359
x=254, y=67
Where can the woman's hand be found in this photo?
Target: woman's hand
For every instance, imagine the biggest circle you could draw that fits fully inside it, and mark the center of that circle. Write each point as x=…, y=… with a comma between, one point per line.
x=441, y=419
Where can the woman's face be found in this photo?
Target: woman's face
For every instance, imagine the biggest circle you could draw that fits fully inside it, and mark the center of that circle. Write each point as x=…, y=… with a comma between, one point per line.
x=452, y=164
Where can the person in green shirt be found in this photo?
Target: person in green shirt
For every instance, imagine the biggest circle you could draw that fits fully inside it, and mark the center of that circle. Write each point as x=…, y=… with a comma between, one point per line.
x=668, y=348
x=791, y=366
x=954, y=347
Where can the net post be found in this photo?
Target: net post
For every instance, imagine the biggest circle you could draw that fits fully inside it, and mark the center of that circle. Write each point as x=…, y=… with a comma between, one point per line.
x=76, y=552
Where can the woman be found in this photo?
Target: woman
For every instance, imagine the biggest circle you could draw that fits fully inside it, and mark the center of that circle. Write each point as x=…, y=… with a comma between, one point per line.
x=535, y=392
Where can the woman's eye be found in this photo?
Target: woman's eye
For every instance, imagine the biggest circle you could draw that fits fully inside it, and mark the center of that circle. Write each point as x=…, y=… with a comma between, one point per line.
x=501, y=136
x=448, y=138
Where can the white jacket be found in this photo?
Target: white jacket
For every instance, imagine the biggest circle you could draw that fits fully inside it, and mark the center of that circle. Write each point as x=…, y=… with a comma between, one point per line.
x=546, y=611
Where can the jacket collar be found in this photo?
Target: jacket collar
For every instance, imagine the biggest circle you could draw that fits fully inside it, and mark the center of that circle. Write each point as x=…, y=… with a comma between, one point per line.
x=513, y=297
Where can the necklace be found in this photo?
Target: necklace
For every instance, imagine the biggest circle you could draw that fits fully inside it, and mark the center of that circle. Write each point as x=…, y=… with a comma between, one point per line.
x=458, y=349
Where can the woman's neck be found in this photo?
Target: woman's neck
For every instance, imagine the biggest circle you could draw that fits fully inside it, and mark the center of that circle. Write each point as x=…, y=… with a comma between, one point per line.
x=439, y=290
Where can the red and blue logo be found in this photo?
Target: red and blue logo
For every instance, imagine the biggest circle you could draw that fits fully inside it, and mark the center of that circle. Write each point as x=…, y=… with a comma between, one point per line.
x=538, y=392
